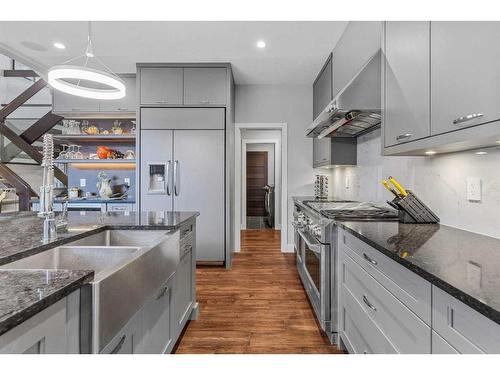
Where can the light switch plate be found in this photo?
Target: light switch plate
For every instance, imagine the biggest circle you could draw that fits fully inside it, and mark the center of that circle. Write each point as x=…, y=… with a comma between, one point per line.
x=126, y=181
x=473, y=189
x=348, y=179
x=83, y=182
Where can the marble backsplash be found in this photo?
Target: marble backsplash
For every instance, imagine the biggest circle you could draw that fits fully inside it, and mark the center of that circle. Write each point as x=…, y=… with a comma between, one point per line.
x=439, y=180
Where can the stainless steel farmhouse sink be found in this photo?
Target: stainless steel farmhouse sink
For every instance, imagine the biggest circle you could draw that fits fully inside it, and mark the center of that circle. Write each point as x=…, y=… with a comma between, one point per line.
x=130, y=266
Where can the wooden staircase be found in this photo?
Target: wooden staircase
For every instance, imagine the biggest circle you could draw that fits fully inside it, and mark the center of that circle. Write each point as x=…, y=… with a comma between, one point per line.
x=24, y=142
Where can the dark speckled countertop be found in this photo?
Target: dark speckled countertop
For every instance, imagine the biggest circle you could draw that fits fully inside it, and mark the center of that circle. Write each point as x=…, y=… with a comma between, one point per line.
x=464, y=264
x=23, y=293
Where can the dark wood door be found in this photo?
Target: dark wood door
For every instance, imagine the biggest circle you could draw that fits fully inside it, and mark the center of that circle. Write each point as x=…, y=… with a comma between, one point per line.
x=256, y=180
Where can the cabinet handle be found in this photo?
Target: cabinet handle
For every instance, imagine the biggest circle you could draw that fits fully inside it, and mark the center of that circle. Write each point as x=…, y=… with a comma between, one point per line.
x=119, y=345
x=75, y=109
x=367, y=303
x=374, y=262
x=204, y=101
x=161, y=101
x=119, y=208
x=402, y=137
x=472, y=116
x=162, y=293
x=123, y=109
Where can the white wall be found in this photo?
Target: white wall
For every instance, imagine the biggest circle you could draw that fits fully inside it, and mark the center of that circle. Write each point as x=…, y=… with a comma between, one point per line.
x=438, y=180
x=268, y=148
x=278, y=104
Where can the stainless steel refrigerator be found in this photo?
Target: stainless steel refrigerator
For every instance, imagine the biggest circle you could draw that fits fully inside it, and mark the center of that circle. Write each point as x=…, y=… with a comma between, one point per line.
x=183, y=170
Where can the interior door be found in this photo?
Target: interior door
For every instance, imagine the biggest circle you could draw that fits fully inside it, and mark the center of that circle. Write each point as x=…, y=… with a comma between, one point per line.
x=199, y=185
x=256, y=180
x=156, y=170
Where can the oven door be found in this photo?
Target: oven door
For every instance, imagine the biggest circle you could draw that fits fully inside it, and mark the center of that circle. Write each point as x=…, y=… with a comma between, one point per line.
x=315, y=276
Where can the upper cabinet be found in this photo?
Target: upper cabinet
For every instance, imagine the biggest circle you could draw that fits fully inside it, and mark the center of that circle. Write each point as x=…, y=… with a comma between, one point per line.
x=205, y=86
x=323, y=88
x=360, y=41
x=68, y=105
x=407, y=94
x=441, y=86
x=161, y=85
x=465, y=77
x=126, y=104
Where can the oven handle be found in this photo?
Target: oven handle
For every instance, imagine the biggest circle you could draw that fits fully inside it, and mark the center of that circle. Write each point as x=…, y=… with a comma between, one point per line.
x=315, y=248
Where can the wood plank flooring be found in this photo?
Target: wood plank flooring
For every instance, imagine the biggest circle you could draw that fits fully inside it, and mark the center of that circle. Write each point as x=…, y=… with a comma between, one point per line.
x=258, y=306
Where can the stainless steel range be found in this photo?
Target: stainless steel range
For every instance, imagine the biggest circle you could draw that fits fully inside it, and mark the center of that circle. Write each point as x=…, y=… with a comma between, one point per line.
x=316, y=250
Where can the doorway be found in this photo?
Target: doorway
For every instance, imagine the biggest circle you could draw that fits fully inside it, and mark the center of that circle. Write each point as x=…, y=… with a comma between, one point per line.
x=260, y=185
x=260, y=181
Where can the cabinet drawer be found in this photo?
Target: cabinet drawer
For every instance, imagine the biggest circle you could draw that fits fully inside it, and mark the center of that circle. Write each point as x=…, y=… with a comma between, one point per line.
x=441, y=346
x=464, y=328
x=406, y=332
x=205, y=86
x=183, y=118
x=358, y=332
x=408, y=287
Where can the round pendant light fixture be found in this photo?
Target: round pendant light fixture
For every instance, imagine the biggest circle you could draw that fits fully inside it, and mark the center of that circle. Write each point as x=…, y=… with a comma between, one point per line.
x=85, y=81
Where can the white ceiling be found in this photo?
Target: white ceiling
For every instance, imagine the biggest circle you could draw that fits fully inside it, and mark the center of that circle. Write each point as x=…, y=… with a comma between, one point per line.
x=294, y=53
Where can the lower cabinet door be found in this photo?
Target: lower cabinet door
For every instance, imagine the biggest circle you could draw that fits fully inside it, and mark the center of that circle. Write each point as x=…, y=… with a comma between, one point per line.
x=182, y=293
x=155, y=335
x=441, y=346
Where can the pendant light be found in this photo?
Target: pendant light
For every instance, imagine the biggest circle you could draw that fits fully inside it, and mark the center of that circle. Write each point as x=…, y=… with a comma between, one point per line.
x=68, y=78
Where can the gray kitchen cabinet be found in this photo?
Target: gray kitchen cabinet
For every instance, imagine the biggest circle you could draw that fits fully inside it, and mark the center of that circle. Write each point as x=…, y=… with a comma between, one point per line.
x=161, y=85
x=182, y=118
x=322, y=149
x=127, y=340
x=155, y=336
x=441, y=346
x=126, y=104
x=404, y=331
x=54, y=330
x=323, y=87
x=465, y=78
x=466, y=330
x=65, y=103
x=334, y=151
x=359, y=42
x=406, y=112
x=205, y=86
x=182, y=295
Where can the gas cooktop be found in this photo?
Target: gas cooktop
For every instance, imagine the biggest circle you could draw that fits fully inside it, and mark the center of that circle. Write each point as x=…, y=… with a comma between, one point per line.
x=349, y=210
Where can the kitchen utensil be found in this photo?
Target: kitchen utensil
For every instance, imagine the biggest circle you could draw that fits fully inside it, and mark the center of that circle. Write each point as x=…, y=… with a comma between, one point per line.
x=129, y=154
x=400, y=188
x=388, y=187
x=321, y=186
x=74, y=193
x=104, y=185
x=117, y=128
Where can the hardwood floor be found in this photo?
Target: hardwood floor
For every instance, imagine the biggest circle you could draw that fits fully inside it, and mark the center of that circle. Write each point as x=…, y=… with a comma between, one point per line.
x=259, y=306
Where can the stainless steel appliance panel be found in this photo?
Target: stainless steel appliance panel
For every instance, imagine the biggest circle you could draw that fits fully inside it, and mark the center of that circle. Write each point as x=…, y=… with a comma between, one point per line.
x=156, y=157
x=199, y=185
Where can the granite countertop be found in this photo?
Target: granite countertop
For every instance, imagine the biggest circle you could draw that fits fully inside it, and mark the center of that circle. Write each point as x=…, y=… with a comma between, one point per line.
x=23, y=293
x=464, y=264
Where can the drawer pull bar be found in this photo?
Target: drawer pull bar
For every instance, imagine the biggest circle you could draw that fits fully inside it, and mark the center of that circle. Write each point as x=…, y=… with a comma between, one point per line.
x=402, y=137
x=367, y=303
x=374, y=262
x=162, y=293
x=472, y=116
x=119, y=345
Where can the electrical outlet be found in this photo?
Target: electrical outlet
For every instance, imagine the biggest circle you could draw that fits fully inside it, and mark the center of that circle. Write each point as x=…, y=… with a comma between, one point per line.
x=83, y=182
x=126, y=181
x=473, y=189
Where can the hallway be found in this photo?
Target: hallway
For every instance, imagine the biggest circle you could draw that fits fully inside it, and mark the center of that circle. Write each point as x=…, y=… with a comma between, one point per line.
x=259, y=306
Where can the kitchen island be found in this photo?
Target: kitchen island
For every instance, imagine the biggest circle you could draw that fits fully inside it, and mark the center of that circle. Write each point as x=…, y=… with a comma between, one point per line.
x=27, y=293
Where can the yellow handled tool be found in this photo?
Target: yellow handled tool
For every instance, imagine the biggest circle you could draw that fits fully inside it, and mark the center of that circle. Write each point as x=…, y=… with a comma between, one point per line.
x=388, y=187
x=401, y=190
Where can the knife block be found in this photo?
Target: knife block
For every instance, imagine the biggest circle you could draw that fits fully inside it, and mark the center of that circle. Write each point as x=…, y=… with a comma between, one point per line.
x=413, y=210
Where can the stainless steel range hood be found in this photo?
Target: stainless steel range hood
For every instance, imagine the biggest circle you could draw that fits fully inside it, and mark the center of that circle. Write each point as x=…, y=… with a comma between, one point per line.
x=356, y=109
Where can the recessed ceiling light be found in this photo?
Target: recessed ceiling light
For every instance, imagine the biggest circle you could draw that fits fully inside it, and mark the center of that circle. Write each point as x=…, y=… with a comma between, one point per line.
x=481, y=153
x=59, y=45
x=430, y=152
x=261, y=44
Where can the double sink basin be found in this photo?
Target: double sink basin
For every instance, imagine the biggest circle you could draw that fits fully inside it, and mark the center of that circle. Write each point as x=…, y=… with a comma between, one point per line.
x=129, y=267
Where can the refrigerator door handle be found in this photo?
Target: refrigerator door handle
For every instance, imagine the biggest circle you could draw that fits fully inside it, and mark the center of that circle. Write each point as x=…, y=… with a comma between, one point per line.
x=168, y=177
x=177, y=187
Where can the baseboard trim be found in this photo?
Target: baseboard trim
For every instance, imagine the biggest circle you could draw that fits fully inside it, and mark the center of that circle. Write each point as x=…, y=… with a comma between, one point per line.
x=288, y=248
